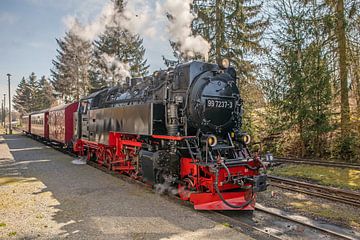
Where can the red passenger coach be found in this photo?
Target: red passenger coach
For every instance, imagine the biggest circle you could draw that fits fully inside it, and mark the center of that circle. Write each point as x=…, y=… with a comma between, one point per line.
x=61, y=126
x=25, y=124
x=39, y=124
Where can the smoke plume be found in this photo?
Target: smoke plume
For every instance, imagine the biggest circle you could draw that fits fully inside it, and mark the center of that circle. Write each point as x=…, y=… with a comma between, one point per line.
x=180, y=18
x=91, y=30
x=116, y=70
x=140, y=17
x=134, y=18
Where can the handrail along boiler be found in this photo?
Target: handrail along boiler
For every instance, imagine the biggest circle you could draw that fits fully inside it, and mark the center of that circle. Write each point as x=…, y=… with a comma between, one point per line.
x=180, y=128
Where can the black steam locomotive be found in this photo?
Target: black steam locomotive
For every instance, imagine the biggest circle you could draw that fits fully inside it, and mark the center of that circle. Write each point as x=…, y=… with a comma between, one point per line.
x=180, y=127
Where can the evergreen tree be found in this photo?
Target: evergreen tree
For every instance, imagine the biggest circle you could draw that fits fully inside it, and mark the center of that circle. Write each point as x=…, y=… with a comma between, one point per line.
x=33, y=88
x=344, y=12
x=343, y=71
x=45, y=94
x=234, y=29
x=122, y=48
x=21, y=97
x=70, y=74
x=27, y=98
x=300, y=85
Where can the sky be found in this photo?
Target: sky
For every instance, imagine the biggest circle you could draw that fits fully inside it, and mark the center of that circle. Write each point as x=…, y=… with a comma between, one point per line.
x=28, y=29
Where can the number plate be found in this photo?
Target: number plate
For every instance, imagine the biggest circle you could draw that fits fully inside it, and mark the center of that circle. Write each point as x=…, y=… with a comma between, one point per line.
x=212, y=103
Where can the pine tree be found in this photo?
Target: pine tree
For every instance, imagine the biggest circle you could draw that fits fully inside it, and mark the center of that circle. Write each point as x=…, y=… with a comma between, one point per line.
x=33, y=88
x=33, y=95
x=345, y=12
x=122, y=48
x=45, y=94
x=70, y=74
x=234, y=29
x=341, y=39
x=21, y=97
x=300, y=85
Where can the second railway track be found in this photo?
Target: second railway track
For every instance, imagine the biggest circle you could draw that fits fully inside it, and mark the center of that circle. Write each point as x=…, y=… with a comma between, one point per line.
x=330, y=193
x=317, y=162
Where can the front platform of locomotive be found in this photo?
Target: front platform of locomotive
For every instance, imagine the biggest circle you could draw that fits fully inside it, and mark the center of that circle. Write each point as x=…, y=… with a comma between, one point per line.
x=221, y=173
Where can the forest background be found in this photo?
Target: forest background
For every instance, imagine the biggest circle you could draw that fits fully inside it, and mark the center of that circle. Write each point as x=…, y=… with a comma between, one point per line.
x=298, y=63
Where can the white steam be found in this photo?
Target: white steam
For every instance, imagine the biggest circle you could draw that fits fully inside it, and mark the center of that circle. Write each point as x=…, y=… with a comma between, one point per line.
x=166, y=186
x=116, y=70
x=140, y=17
x=179, y=27
x=135, y=18
x=91, y=30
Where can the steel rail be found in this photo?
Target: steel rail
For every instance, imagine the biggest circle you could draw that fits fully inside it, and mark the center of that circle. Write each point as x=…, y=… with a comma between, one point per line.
x=330, y=193
x=308, y=224
x=246, y=225
x=317, y=162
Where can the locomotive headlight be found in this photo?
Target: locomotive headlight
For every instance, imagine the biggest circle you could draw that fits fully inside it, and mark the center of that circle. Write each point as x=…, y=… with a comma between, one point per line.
x=246, y=139
x=224, y=63
x=212, y=140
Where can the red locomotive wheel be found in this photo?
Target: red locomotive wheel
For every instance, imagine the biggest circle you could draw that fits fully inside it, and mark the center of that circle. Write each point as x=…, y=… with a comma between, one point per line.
x=108, y=159
x=100, y=155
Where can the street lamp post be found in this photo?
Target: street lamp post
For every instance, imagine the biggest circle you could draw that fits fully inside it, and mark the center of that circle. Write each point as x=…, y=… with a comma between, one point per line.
x=4, y=110
x=10, y=129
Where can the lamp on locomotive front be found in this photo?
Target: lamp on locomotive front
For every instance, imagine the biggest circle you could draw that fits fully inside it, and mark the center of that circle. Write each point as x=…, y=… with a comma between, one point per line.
x=224, y=63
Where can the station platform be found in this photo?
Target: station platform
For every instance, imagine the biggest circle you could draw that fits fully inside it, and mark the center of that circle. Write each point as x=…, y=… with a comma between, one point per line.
x=44, y=196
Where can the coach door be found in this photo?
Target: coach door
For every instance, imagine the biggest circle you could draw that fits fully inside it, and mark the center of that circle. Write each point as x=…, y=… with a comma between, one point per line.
x=84, y=119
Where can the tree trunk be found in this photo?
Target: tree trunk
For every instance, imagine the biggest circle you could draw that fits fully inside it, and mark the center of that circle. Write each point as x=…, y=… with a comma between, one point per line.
x=218, y=30
x=341, y=39
x=357, y=88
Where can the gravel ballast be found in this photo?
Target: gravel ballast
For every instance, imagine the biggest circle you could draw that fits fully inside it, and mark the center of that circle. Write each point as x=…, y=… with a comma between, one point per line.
x=44, y=196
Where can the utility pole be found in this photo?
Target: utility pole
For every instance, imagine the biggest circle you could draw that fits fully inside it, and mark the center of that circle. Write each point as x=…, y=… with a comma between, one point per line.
x=4, y=110
x=10, y=129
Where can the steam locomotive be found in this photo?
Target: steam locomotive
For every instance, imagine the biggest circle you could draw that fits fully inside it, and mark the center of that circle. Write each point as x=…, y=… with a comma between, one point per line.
x=179, y=128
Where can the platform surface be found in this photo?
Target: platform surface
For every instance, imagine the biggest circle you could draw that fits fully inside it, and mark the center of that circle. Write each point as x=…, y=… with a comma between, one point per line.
x=44, y=196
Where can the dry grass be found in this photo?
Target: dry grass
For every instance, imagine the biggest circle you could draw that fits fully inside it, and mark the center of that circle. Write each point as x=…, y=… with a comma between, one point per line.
x=337, y=177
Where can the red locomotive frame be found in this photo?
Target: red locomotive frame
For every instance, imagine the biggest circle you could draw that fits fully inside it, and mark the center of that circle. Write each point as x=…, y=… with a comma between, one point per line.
x=199, y=181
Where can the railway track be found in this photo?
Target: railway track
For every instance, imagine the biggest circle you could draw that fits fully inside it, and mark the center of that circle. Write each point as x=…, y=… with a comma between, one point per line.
x=280, y=225
x=317, y=162
x=248, y=227
x=310, y=224
x=330, y=193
